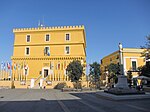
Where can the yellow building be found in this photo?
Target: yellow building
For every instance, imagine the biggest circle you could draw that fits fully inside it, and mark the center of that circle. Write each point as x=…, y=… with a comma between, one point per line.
x=132, y=59
x=45, y=52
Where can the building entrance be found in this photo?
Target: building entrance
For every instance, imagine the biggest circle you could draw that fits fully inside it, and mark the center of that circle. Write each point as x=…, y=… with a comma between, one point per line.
x=45, y=73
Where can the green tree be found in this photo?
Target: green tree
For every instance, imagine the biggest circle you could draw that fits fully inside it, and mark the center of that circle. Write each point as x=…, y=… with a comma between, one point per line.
x=146, y=53
x=75, y=71
x=95, y=74
x=145, y=70
x=129, y=78
x=113, y=70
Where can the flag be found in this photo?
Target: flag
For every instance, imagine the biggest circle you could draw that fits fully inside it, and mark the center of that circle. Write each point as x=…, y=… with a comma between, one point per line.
x=2, y=65
x=22, y=65
x=48, y=52
x=26, y=69
x=12, y=66
x=61, y=66
x=65, y=72
x=58, y=66
x=15, y=66
x=25, y=66
x=65, y=65
x=50, y=65
x=19, y=66
x=8, y=65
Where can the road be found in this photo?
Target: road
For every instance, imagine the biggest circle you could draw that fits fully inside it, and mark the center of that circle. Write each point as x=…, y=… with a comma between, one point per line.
x=21, y=100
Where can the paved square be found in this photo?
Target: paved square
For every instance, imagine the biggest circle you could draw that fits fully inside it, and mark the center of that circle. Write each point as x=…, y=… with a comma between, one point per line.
x=21, y=100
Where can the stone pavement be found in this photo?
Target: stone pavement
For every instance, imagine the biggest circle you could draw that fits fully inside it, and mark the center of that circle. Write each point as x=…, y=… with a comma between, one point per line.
x=27, y=100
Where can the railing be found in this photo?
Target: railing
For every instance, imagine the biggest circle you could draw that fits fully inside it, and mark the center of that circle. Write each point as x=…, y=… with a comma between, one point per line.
x=46, y=78
x=37, y=80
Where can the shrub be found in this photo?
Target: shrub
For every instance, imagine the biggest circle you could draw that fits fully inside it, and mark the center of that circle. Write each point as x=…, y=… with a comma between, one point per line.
x=60, y=85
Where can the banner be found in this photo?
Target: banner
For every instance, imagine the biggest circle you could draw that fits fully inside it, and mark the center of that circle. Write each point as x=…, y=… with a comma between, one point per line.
x=64, y=64
x=2, y=65
x=19, y=66
x=15, y=66
x=61, y=66
x=8, y=65
x=58, y=66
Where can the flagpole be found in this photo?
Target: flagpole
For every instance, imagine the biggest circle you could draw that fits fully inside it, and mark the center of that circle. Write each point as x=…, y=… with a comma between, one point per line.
x=0, y=72
x=9, y=70
x=18, y=73
x=21, y=72
x=5, y=72
x=12, y=72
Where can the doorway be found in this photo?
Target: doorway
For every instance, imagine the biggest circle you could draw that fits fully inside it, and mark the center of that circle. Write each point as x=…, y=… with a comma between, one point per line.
x=45, y=73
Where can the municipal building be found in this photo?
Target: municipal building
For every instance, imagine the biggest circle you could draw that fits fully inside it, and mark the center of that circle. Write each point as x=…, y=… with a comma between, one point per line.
x=44, y=53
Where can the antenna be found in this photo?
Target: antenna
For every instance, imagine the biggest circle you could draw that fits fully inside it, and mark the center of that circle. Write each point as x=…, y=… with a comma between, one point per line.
x=39, y=23
x=43, y=21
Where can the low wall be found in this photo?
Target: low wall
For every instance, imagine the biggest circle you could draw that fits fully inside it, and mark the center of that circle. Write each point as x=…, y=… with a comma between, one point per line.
x=26, y=85
x=54, y=83
x=5, y=84
x=68, y=83
x=21, y=84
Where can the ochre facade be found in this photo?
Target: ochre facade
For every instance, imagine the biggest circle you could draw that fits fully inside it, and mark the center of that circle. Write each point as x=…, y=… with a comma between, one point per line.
x=45, y=52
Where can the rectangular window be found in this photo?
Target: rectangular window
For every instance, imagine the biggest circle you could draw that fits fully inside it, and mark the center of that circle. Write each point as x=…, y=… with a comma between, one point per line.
x=67, y=50
x=67, y=37
x=47, y=37
x=27, y=51
x=117, y=57
x=134, y=68
x=58, y=66
x=101, y=61
x=47, y=51
x=28, y=38
x=45, y=73
x=110, y=59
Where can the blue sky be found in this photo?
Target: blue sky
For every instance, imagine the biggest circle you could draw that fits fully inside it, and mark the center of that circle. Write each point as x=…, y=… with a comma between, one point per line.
x=107, y=22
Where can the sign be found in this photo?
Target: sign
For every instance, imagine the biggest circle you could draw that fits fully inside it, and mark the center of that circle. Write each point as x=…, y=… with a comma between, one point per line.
x=41, y=83
x=49, y=82
x=32, y=83
x=46, y=64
